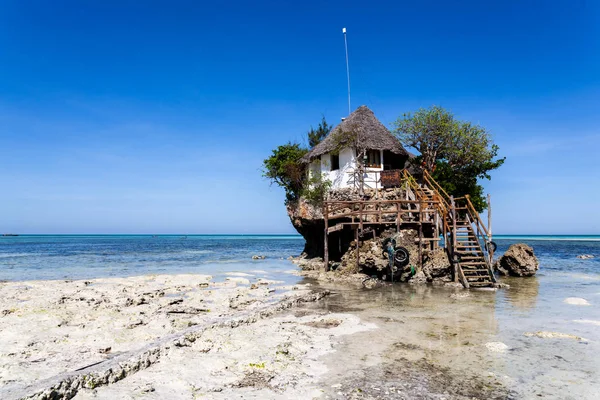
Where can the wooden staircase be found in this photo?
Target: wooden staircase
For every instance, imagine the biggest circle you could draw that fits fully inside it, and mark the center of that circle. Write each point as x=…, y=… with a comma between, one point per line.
x=463, y=232
x=471, y=261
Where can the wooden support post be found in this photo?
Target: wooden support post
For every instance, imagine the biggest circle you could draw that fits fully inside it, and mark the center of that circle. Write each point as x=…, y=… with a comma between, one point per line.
x=357, y=250
x=326, y=237
x=420, y=205
x=360, y=216
x=398, y=208
x=437, y=230
x=454, y=260
x=489, y=227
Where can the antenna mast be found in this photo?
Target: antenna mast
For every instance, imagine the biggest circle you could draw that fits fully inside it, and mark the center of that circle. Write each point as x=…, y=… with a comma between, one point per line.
x=347, y=69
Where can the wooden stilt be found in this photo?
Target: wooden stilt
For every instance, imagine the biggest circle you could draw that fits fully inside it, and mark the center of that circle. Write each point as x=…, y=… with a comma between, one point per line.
x=357, y=249
x=420, y=236
x=453, y=209
x=326, y=237
x=489, y=227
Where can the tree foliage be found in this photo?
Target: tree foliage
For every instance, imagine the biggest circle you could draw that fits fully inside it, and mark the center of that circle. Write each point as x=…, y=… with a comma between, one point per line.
x=284, y=168
x=315, y=136
x=316, y=188
x=457, y=153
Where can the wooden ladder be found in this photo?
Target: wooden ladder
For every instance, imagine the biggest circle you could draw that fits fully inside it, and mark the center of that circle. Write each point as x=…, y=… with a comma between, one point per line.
x=472, y=263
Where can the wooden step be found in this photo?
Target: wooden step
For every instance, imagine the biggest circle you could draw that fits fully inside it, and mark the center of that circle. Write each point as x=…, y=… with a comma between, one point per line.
x=481, y=284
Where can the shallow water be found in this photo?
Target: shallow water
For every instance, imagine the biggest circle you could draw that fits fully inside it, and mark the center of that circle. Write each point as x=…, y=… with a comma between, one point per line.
x=95, y=256
x=415, y=323
x=482, y=337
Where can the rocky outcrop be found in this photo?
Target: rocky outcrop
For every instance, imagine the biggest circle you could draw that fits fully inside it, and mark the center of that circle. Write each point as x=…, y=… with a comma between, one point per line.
x=373, y=260
x=307, y=219
x=518, y=260
x=437, y=266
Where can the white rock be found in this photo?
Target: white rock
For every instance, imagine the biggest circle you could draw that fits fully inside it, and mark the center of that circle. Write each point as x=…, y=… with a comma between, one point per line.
x=576, y=301
x=496, y=347
x=587, y=321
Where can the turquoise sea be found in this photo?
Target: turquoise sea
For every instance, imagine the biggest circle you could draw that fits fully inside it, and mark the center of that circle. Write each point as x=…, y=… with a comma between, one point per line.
x=92, y=256
x=32, y=257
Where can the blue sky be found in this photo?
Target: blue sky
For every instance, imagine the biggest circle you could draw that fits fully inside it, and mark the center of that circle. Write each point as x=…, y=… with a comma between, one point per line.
x=154, y=117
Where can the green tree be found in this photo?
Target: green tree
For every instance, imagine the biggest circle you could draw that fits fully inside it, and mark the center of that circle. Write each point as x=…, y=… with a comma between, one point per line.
x=457, y=153
x=284, y=168
x=316, y=135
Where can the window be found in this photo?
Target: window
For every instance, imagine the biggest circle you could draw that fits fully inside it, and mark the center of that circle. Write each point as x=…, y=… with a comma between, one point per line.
x=373, y=159
x=335, y=162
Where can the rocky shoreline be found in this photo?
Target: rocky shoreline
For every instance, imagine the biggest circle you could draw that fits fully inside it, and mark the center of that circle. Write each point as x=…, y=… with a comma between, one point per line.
x=176, y=336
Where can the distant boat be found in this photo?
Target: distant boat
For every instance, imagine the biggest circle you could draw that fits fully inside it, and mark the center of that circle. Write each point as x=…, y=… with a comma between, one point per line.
x=9, y=234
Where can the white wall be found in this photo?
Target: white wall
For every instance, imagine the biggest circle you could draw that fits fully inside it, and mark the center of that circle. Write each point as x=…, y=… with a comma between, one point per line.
x=343, y=177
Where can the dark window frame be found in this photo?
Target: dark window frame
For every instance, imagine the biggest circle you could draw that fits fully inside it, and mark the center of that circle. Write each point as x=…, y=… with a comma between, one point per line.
x=373, y=159
x=335, y=162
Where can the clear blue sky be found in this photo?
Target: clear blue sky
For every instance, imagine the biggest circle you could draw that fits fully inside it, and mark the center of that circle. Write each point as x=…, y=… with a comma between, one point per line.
x=130, y=116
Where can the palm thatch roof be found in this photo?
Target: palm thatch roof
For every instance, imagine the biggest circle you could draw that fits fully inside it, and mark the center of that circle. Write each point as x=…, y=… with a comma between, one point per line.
x=361, y=129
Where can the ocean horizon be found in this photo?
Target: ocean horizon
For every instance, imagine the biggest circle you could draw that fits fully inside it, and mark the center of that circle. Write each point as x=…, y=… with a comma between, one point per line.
x=281, y=235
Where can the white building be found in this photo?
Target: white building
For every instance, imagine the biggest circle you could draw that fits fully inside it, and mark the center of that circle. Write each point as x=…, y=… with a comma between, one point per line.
x=359, y=135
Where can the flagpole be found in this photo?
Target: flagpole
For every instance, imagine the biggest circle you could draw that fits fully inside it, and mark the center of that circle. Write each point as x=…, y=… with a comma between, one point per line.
x=347, y=69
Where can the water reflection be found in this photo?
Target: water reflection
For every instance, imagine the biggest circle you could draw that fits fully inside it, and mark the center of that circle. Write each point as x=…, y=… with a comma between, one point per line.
x=523, y=292
x=441, y=321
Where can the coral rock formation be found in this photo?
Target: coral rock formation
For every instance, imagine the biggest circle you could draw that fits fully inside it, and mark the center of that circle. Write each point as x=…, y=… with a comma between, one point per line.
x=518, y=260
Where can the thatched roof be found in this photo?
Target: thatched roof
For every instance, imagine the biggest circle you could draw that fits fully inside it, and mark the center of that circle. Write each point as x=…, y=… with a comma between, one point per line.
x=363, y=128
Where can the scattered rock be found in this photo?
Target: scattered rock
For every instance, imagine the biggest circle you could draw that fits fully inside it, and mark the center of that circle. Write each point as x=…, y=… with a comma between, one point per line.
x=147, y=388
x=554, y=335
x=175, y=301
x=104, y=350
x=257, y=257
x=496, y=347
x=324, y=323
x=585, y=256
x=372, y=283
x=188, y=310
x=132, y=325
x=309, y=264
x=576, y=301
x=518, y=260
x=457, y=285
x=418, y=278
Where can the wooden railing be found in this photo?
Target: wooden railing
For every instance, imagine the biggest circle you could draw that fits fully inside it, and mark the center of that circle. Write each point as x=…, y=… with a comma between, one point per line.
x=441, y=204
x=380, y=211
x=444, y=196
